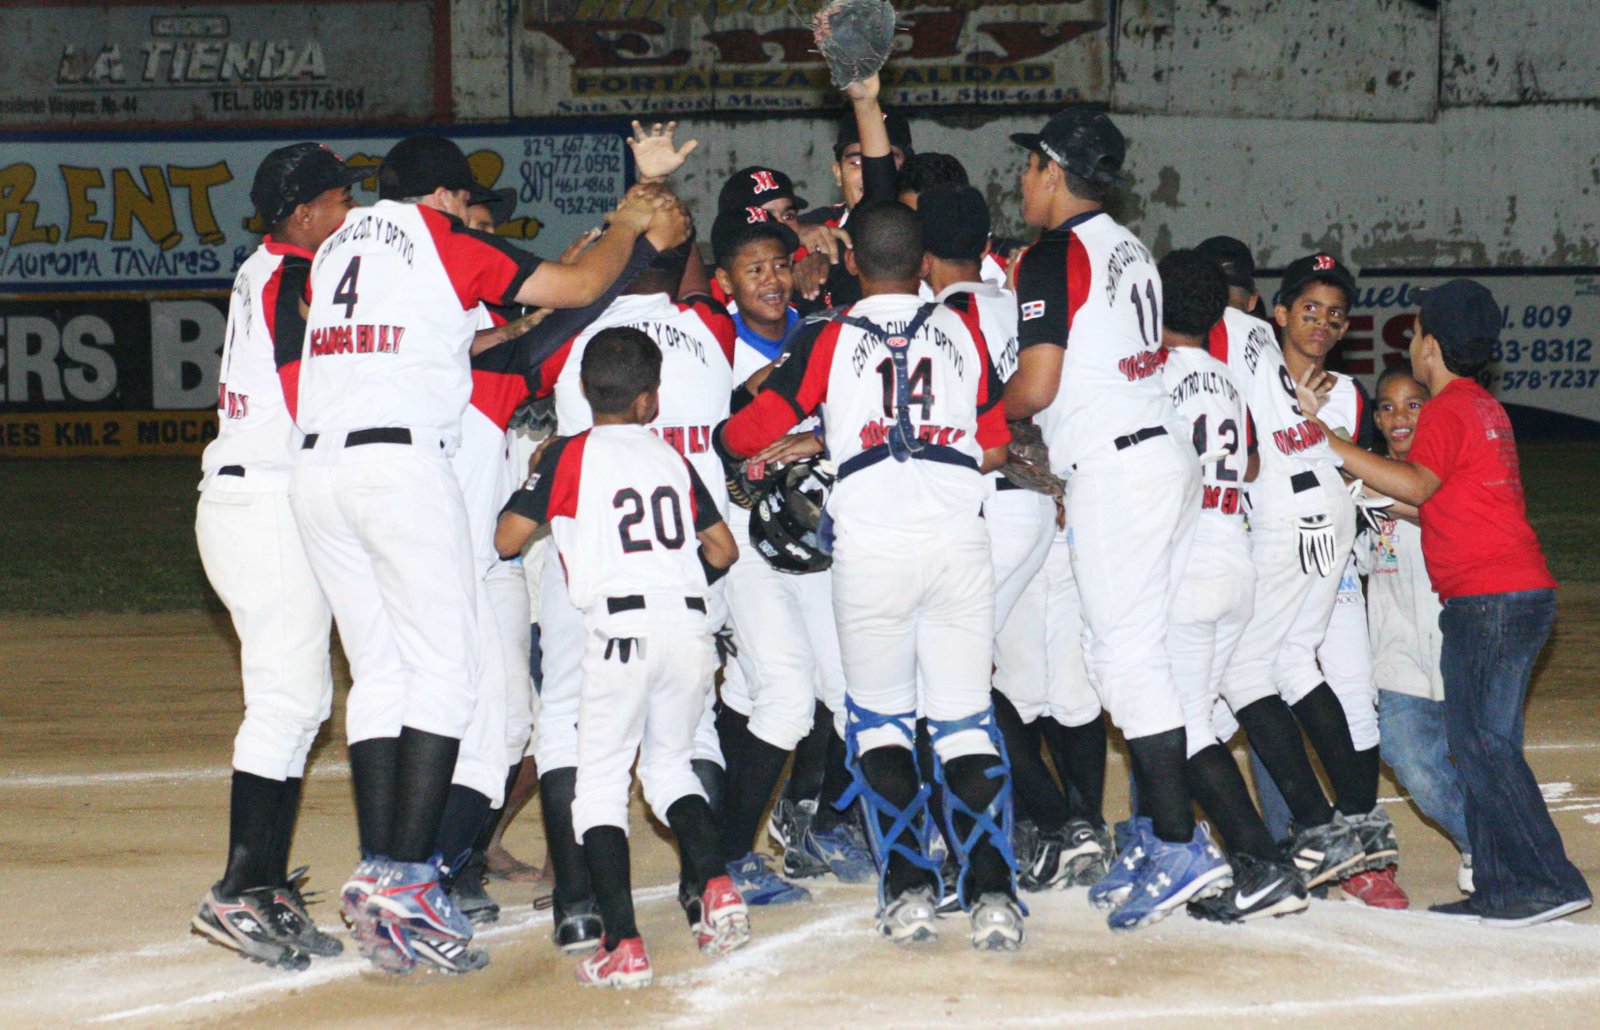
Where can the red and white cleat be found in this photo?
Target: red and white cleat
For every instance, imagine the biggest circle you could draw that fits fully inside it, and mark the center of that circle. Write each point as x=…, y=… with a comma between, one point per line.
x=625, y=967
x=1377, y=889
x=724, y=920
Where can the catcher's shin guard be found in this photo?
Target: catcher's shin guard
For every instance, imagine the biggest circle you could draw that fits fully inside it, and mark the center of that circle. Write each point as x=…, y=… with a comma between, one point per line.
x=995, y=820
x=908, y=827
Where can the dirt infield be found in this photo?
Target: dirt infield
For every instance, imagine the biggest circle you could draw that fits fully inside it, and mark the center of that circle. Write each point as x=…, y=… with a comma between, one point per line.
x=114, y=743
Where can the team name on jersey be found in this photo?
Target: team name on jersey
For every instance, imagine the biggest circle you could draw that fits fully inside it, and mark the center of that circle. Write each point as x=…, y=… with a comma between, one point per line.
x=868, y=344
x=380, y=229
x=1297, y=438
x=669, y=336
x=1220, y=498
x=1142, y=365
x=356, y=339
x=876, y=432
x=1204, y=381
x=1255, y=342
x=1126, y=253
x=686, y=440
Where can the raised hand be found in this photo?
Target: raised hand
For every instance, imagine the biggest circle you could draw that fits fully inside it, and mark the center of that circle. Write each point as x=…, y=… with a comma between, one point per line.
x=654, y=153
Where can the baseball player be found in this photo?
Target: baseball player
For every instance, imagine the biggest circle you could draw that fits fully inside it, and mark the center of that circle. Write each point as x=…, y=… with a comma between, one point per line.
x=1216, y=590
x=1090, y=368
x=1300, y=517
x=622, y=504
x=912, y=416
x=379, y=389
x=254, y=559
x=928, y=169
x=819, y=246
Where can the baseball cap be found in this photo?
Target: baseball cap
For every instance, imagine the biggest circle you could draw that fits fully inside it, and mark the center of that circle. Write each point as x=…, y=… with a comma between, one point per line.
x=418, y=165
x=1464, y=317
x=502, y=205
x=756, y=185
x=298, y=174
x=1323, y=268
x=734, y=229
x=894, y=121
x=1238, y=264
x=1086, y=143
x=955, y=221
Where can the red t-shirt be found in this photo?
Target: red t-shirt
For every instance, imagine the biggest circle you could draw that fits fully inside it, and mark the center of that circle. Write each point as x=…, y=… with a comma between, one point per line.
x=1475, y=533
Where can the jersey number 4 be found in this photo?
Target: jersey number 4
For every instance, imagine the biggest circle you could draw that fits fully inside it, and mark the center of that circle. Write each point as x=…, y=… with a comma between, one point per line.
x=665, y=510
x=345, y=292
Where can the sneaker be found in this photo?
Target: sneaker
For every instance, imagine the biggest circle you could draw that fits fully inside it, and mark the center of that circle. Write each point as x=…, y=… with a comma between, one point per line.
x=724, y=919
x=1464, y=873
x=466, y=890
x=949, y=889
x=756, y=882
x=1327, y=852
x=910, y=918
x=1466, y=909
x=1063, y=858
x=578, y=928
x=1531, y=913
x=1260, y=890
x=408, y=895
x=1379, y=847
x=1132, y=839
x=450, y=956
x=787, y=828
x=1170, y=875
x=997, y=923
x=625, y=967
x=245, y=923
x=296, y=922
x=1377, y=889
x=842, y=852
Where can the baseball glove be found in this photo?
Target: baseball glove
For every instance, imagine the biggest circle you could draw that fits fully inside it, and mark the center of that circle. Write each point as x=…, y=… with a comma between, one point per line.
x=855, y=38
x=1028, y=461
x=747, y=481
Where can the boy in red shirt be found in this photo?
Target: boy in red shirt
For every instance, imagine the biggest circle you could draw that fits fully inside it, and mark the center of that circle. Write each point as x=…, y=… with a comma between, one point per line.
x=1499, y=604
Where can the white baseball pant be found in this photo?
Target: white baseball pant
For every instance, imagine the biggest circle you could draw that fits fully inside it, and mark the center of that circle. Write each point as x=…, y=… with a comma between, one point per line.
x=1070, y=695
x=482, y=761
x=1021, y=525
x=1346, y=659
x=508, y=605
x=1213, y=604
x=252, y=554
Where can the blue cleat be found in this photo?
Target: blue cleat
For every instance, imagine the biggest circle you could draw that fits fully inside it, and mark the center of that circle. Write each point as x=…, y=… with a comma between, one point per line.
x=759, y=885
x=1169, y=876
x=1133, y=837
x=408, y=895
x=843, y=851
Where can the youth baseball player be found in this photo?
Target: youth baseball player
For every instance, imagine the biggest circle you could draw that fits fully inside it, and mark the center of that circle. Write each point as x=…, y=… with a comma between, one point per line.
x=911, y=412
x=1090, y=369
x=253, y=557
x=623, y=505
x=379, y=389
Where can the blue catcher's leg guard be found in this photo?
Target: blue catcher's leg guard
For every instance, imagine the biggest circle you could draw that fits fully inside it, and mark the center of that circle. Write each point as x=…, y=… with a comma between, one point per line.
x=908, y=828
x=995, y=821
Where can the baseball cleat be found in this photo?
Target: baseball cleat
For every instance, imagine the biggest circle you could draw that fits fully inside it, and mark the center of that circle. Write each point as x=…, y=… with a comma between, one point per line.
x=1379, y=848
x=245, y=923
x=1170, y=875
x=910, y=918
x=1531, y=913
x=844, y=854
x=578, y=928
x=296, y=923
x=724, y=924
x=1133, y=838
x=466, y=890
x=1024, y=839
x=450, y=956
x=381, y=944
x=1260, y=890
x=1322, y=854
x=790, y=822
x=625, y=967
x=759, y=885
x=1065, y=857
x=949, y=889
x=997, y=923
x=1376, y=889
x=408, y=895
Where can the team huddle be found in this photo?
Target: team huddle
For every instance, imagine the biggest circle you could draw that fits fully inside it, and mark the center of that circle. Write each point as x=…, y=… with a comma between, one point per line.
x=877, y=498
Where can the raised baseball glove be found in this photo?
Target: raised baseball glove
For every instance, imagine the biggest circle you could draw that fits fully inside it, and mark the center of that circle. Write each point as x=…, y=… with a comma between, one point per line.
x=1028, y=461
x=855, y=37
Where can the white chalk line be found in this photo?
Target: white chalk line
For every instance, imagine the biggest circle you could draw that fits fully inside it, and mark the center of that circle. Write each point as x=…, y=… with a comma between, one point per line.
x=136, y=777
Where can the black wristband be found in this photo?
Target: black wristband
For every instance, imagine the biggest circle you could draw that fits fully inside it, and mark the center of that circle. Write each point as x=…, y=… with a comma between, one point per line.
x=713, y=572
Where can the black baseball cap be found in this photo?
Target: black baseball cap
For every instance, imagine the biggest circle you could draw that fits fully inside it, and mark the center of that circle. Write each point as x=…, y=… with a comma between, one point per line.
x=754, y=186
x=735, y=229
x=298, y=174
x=502, y=205
x=955, y=221
x=1317, y=268
x=418, y=165
x=1086, y=143
x=894, y=121
x=1238, y=264
x=1464, y=317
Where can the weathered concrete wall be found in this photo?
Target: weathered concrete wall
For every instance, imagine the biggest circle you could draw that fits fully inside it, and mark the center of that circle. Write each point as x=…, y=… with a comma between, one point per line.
x=1520, y=51
x=479, y=35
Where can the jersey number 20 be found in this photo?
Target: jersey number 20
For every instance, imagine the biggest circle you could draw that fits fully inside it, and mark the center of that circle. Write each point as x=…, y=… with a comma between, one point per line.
x=665, y=511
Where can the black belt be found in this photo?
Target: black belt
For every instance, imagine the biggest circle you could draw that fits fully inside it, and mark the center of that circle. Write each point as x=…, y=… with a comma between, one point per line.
x=385, y=434
x=1005, y=484
x=929, y=452
x=1148, y=433
x=635, y=602
x=1303, y=481
x=231, y=470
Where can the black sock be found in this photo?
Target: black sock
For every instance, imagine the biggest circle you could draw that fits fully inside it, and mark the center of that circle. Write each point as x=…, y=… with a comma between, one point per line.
x=283, y=821
x=465, y=812
x=691, y=822
x=1036, y=792
x=811, y=758
x=252, y=820
x=1218, y=786
x=372, y=776
x=836, y=780
x=713, y=780
x=750, y=786
x=1275, y=736
x=1323, y=718
x=605, y=855
x=424, y=763
x=556, y=790
x=892, y=772
x=1364, y=782
x=1158, y=767
x=731, y=731
x=1079, y=754
x=969, y=780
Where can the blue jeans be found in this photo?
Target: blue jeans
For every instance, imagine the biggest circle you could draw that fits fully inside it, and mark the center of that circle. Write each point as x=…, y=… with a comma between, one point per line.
x=1490, y=643
x=1412, y=740
x=1274, y=810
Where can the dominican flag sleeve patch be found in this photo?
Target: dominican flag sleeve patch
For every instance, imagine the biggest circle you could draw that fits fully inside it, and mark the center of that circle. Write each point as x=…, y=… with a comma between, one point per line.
x=1032, y=309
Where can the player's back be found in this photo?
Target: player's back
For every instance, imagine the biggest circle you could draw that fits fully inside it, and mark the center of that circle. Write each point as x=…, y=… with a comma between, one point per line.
x=1288, y=441
x=1210, y=401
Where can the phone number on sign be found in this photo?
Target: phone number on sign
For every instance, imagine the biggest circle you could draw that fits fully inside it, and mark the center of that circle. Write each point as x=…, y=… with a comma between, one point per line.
x=292, y=100
x=1546, y=379
x=1553, y=352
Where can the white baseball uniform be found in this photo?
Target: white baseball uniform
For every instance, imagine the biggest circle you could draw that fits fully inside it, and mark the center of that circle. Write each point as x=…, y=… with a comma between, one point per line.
x=624, y=509
x=1090, y=287
x=1216, y=589
x=1302, y=522
x=248, y=540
